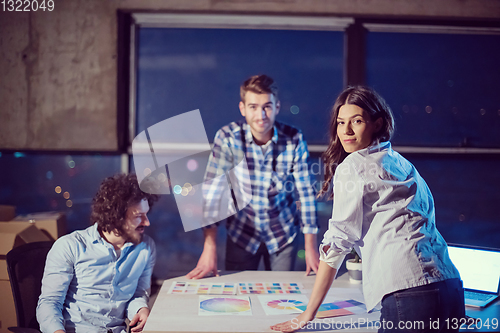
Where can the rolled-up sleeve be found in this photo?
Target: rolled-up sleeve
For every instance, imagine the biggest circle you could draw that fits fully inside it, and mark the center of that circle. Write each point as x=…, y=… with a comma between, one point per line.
x=56, y=279
x=345, y=226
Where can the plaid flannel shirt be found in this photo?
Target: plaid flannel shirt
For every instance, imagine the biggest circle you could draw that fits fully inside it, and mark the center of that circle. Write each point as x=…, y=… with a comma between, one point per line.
x=275, y=180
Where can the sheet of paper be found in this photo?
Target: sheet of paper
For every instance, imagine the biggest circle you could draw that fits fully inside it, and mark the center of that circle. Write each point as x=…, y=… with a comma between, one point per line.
x=349, y=293
x=270, y=288
x=342, y=302
x=337, y=307
x=217, y=306
x=359, y=319
x=200, y=288
x=282, y=304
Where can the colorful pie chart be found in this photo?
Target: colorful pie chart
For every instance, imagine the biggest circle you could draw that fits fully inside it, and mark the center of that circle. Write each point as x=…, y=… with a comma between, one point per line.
x=284, y=304
x=226, y=305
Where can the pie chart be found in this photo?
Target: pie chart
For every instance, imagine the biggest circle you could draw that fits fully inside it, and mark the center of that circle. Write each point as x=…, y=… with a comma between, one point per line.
x=285, y=304
x=225, y=305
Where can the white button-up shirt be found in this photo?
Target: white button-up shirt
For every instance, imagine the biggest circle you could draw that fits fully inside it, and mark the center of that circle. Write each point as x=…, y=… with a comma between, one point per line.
x=384, y=209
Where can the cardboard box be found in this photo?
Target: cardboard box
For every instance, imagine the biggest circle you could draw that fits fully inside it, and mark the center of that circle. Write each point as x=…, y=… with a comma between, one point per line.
x=8, y=317
x=53, y=224
x=7, y=213
x=13, y=234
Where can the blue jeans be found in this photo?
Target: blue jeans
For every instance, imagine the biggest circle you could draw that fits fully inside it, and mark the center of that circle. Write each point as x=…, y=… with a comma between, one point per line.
x=428, y=308
x=238, y=259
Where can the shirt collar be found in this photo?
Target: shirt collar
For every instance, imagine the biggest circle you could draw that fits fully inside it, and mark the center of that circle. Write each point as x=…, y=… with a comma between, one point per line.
x=378, y=146
x=275, y=134
x=249, y=137
x=96, y=236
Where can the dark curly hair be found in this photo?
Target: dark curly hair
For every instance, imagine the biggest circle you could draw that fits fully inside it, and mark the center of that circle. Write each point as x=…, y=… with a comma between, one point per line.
x=115, y=195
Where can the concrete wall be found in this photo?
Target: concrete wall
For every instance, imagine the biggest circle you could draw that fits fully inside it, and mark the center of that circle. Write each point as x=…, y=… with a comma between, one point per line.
x=58, y=70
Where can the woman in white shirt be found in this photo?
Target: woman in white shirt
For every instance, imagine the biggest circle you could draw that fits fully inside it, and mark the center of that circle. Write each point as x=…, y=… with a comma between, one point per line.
x=383, y=208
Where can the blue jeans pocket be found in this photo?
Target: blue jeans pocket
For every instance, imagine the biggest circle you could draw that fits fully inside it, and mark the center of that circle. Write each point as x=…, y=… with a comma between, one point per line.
x=417, y=309
x=411, y=311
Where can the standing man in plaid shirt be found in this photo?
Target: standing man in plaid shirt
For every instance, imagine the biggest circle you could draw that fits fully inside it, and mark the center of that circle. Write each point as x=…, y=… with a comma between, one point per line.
x=282, y=195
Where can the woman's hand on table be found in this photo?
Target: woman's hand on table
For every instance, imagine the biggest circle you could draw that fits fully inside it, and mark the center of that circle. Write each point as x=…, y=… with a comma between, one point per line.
x=295, y=324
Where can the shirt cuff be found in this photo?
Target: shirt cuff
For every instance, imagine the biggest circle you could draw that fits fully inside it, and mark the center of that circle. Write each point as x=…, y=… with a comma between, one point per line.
x=332, y=258
x=309, y=229
x=135, y=305
x=211, y=225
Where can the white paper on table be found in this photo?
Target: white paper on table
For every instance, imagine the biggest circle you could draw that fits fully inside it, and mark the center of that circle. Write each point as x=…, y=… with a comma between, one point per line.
x=202, y=288
x=220, y=305
x=270, y=288
x=360, y=320
x=282, y=304
x=349, y=293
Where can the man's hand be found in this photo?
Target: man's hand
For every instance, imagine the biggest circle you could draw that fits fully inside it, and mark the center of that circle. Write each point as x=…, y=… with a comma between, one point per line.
x=139, y=320
x=208, y=259
x=312, y=254
x=206, y=264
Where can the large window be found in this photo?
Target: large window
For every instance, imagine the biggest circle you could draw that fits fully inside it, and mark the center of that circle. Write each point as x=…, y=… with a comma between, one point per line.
x=183, y=69
x=40, y=182
x=443, y=87
x=179, y=69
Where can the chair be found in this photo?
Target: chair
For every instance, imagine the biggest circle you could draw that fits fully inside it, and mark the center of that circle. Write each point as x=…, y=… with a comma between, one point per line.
x=25, y=265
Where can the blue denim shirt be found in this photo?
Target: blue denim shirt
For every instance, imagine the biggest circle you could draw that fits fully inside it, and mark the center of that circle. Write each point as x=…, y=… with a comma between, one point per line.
x=88, y=287
x=384, y=209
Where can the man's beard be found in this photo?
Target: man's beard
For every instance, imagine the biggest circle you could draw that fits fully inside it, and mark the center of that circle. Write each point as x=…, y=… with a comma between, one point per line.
x=133, y=236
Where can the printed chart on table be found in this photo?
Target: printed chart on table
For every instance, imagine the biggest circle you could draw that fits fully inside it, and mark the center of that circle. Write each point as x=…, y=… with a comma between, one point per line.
x=243, y=288
x=282, y=304
x=201, y=288
x=270, y=288
x=216, y=306
x=337, y=308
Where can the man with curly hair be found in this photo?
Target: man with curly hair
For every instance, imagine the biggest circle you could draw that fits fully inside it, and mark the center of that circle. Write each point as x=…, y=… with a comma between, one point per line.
x=95, y=277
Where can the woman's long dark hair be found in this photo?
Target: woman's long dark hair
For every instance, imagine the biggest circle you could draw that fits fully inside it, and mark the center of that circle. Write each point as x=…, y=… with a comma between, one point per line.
x=376, y=107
